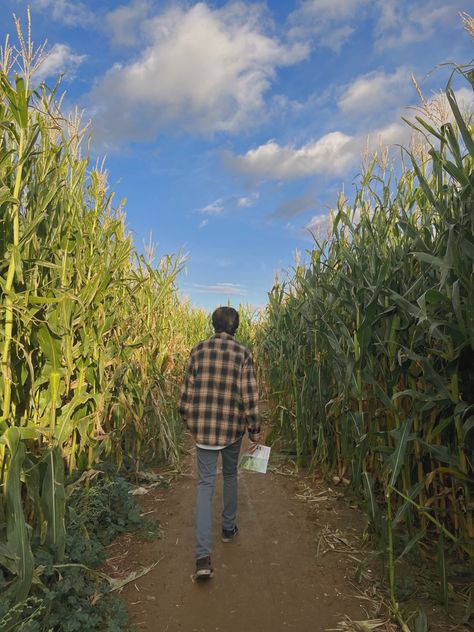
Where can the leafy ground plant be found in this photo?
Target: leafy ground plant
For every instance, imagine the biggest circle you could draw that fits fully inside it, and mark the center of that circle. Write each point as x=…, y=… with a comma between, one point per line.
x=75, y=595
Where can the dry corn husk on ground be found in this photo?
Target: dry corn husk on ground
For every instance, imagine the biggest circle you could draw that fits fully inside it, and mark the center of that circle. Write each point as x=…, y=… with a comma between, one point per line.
x=382, y=625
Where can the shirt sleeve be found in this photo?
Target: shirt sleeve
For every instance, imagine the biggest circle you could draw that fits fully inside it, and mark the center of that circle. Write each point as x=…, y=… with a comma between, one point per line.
x=187, y=390
x=249, y=394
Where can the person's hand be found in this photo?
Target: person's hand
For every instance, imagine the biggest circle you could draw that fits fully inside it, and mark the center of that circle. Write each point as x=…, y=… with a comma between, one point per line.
x=254, y=441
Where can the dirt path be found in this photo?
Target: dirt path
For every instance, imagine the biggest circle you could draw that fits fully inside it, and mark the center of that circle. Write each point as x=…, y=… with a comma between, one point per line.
x=274, y=577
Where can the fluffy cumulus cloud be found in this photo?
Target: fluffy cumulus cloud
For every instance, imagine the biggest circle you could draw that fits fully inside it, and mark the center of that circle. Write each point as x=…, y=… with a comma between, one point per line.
x=333, y=155
x=126, y=23
x=330, y=154
x=395, y=133
x=69, y=12
x=203, y=69
x=330, y=22
x=375, y=92
x=60, y=59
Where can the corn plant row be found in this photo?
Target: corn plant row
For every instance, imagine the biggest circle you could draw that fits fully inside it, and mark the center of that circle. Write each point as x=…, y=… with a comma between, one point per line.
x=369, y=349
x=93, y=335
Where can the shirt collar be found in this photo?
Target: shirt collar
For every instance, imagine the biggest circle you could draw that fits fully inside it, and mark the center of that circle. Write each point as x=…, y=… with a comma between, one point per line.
x=224, y=335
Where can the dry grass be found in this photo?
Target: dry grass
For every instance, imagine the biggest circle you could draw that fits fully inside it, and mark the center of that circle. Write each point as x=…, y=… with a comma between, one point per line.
x=348, y=625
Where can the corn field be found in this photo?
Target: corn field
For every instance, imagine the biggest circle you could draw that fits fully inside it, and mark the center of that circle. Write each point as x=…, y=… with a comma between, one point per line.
x=367, y=353
x=369, y=349
x=93, y=336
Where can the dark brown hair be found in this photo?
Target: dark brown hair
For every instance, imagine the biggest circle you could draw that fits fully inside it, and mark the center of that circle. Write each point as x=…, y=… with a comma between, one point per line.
x=225, y=319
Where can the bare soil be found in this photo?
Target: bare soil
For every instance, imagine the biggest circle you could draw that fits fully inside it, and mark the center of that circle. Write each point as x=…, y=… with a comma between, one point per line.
x=291, y=566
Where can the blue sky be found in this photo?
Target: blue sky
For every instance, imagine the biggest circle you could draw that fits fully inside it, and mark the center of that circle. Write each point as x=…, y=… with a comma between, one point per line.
x=230, y=127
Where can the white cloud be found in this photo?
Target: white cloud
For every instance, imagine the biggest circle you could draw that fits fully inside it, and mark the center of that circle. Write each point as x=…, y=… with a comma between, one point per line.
x=465, y=99
x=319, y=226
x=125, y=23
x=335, y=37
x=69, y=12
x=229, y=289
x=204, y=223
x=331, y=22
x=405, y=22
x=247, y=201
x=396, y=133
x=332, y=153
x=203, y=69
x=375, y=92
x=60, y=59
x=217, y=207
x=327, y=10
x=214, y=208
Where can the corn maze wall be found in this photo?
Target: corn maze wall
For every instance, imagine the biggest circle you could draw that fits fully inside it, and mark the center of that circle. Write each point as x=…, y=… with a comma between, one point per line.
x=93, y=335
x=369, y=350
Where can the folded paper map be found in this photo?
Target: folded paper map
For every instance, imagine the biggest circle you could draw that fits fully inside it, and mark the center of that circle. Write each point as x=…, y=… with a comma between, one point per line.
x=256, y=461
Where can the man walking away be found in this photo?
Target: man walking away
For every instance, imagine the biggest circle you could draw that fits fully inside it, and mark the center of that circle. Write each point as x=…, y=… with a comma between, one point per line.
x=218, y=402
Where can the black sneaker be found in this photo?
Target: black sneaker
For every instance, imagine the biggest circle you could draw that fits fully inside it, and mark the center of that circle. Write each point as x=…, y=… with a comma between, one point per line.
x=229, y=534
x=204, y=569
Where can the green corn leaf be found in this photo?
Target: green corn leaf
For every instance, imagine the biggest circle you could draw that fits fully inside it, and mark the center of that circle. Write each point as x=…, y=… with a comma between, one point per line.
x=6, y=196
x=32, y=479
x=51, y=347
x=468, y=424
x=6, y=552
x=421, y=622
x=369, y=492
x=17, y=535
x=456, y=298
x=65, y=424
x=15, y=253
x=469, y=606
x=397, y=458
x=431, y=259
x=413, y=310
x=412, y=493
x=441, y=453
x=465, y=133
x=53, y=503
x=457, y=173
x=453, y=144
x=21, y=101
x=455, y=473
x=411, y=543
x=443, y=571
x=430, y=195
x=428, y=127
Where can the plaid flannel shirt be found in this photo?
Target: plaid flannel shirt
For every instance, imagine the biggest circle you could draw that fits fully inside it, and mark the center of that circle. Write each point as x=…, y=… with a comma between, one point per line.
x=220, y=394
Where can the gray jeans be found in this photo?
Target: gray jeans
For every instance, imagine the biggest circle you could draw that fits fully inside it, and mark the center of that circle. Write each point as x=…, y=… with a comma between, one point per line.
x=206, y=471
